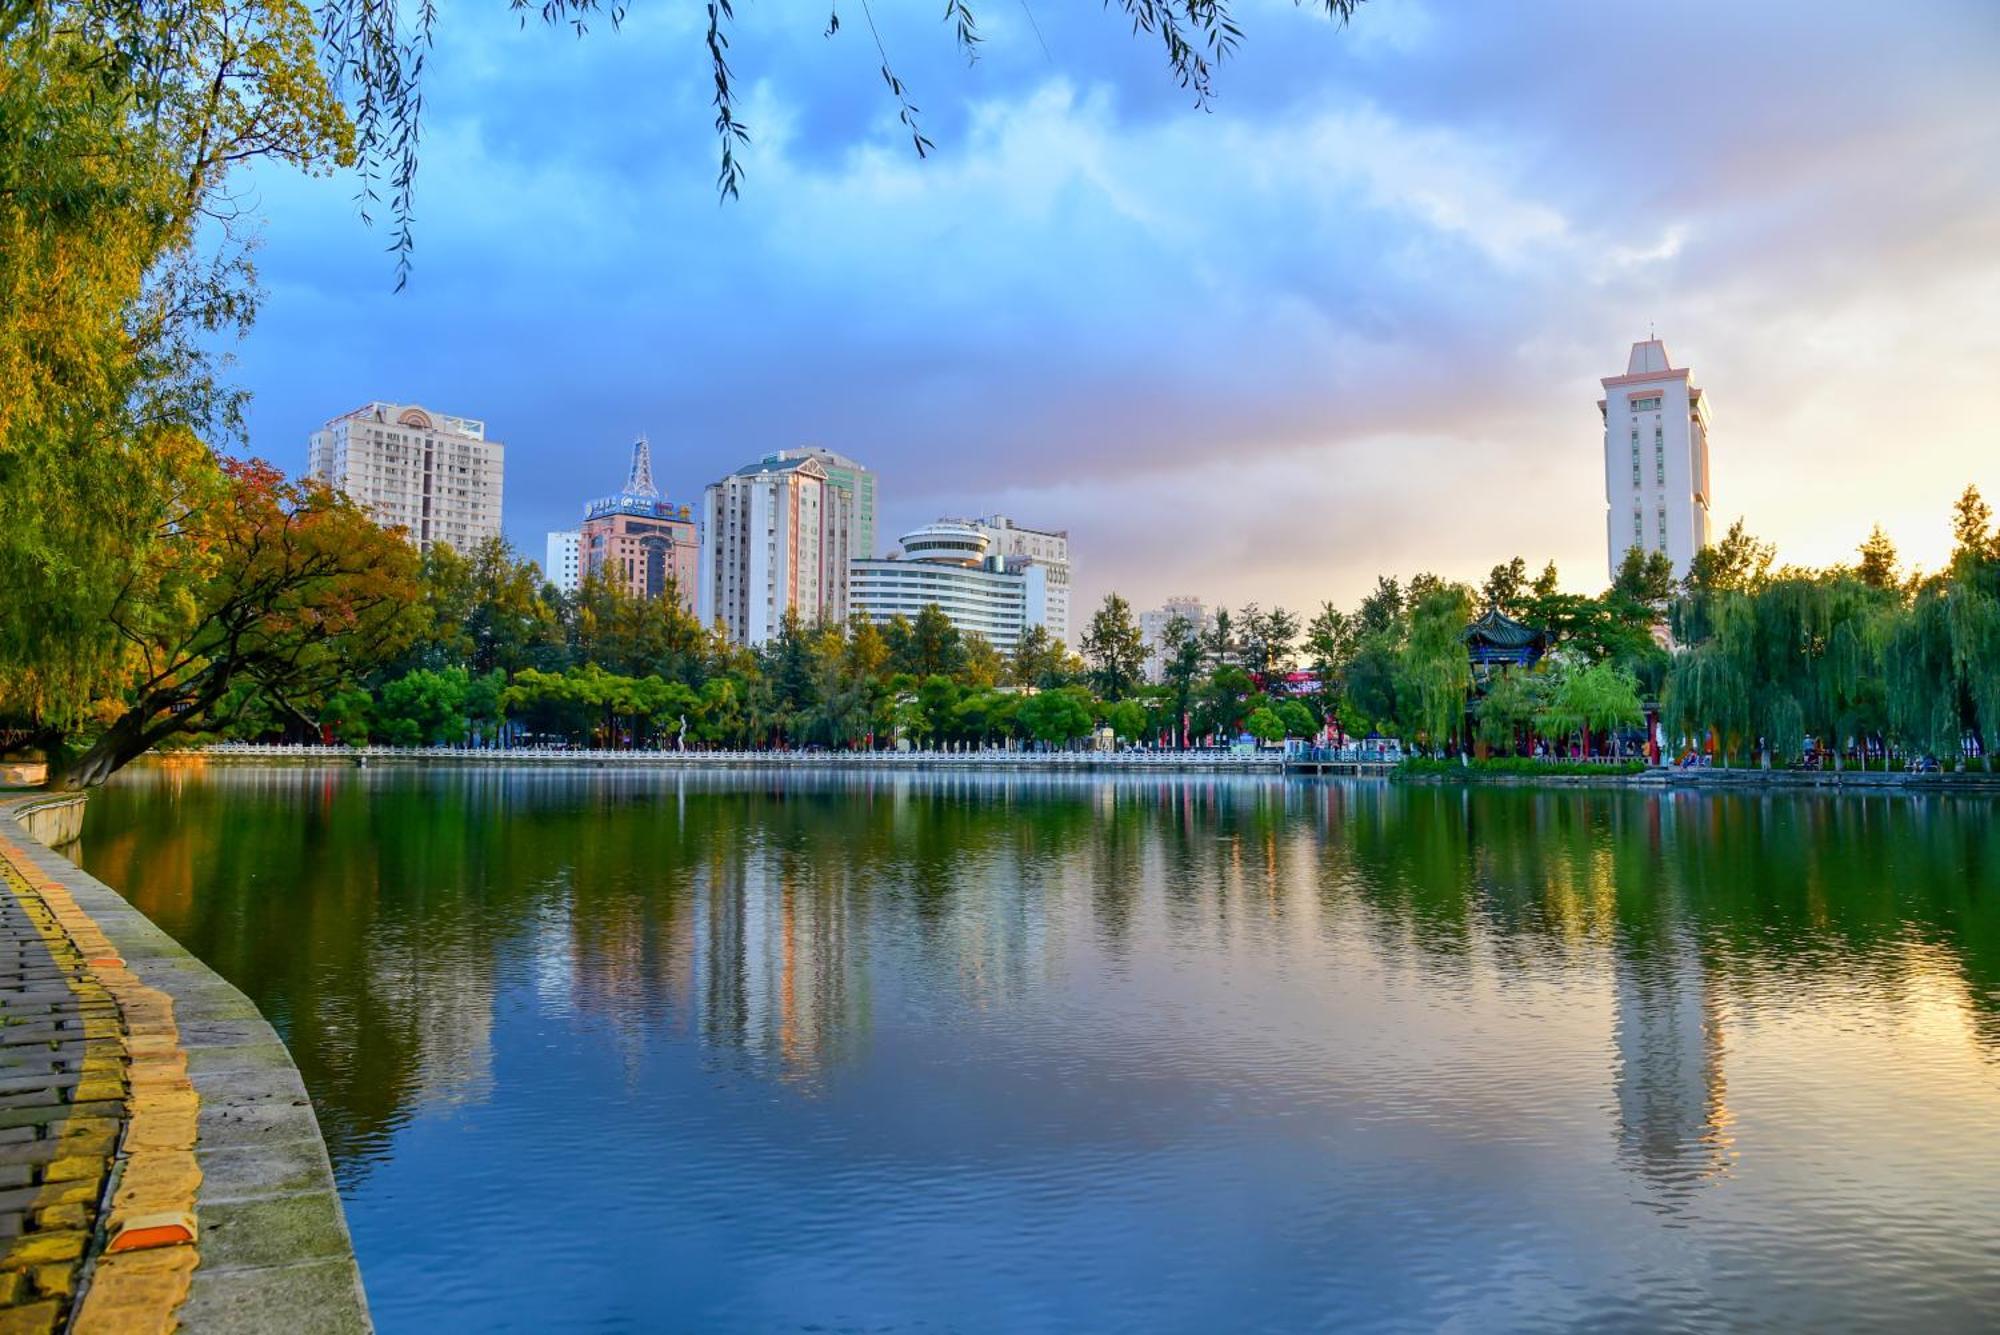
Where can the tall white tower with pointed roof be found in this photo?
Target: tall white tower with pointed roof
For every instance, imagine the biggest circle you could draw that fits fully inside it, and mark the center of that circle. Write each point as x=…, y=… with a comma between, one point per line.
x=1656, y=480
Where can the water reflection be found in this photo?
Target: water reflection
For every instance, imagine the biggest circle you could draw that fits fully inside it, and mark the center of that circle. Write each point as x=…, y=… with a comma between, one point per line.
x=1081, y=1053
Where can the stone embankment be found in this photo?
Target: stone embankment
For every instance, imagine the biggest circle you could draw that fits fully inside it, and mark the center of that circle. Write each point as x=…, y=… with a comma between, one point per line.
x=1731, y=780
x=160, y=1164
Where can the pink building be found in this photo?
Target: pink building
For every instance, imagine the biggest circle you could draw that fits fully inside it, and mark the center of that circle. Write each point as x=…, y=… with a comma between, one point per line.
x=640, y=542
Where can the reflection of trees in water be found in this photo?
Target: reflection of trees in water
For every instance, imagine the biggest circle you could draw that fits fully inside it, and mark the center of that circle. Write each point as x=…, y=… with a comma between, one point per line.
x=373, y=916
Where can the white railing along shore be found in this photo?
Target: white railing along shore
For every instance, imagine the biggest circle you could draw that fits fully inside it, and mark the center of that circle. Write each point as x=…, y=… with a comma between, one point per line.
x=1133, y=760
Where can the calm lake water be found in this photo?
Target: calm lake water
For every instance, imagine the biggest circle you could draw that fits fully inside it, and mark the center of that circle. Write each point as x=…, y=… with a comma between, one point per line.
x=611, y=1051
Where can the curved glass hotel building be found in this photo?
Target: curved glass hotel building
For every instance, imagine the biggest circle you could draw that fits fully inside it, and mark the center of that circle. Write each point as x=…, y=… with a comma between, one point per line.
x=950, y=563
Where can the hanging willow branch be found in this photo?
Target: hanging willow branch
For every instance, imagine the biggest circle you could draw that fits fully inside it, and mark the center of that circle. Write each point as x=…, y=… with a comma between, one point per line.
x=376, y=51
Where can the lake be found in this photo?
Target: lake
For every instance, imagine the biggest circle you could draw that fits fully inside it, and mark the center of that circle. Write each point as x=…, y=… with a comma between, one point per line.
x=789, y=1051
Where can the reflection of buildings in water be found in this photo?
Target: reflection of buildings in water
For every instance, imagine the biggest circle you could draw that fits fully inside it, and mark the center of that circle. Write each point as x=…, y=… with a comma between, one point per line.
x=1673, y=1118
x=444, y=999
x=776, y=972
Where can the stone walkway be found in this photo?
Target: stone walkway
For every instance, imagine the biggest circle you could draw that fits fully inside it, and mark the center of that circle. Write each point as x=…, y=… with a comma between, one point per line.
x=97, y=1125
x=160, y=1163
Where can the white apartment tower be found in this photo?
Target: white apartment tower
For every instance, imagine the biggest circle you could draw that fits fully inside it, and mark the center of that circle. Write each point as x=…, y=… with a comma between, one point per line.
x=776, y=536
x=435, y=476
x=853, y=476
x=1656, y=480
x=564, y=564
x=1046, y=548
x=1153, y=628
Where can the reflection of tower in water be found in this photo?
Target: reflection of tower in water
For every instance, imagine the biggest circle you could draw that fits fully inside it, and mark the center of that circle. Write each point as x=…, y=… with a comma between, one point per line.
x=773, y=961
x=1673, y=1118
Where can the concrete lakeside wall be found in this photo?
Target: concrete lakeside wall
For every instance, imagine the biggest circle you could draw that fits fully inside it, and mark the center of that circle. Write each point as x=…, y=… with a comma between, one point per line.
x=274, y=1249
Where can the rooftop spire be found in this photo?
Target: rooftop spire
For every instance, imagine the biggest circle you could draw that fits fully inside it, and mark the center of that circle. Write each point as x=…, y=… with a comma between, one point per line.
x=640, y=483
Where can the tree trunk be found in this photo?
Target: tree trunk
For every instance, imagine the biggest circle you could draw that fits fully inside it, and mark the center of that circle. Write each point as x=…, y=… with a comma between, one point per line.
x=123, y=742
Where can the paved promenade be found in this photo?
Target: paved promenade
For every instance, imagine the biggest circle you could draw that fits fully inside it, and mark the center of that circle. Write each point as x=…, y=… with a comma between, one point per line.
x=160, y=1165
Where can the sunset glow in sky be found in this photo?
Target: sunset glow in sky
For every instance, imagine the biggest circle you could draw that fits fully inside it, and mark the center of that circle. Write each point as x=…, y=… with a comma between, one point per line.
x=1351, y=321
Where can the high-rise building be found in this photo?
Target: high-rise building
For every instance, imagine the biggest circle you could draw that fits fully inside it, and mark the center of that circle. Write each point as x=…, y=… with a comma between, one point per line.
x=563, y=567
x=776, y=537
x=1045, y=548
x=856, y=479
x=1656, y=480
x=951, y=565
x=639, y=541
x=1153, y=627
x=435, y=476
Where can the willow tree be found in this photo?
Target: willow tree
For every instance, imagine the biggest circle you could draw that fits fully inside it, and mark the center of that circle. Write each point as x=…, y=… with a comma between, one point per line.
x=1435, y=671
x=1509, y=711
x=1943, y=656
x=1597, y=699
x=122, y=268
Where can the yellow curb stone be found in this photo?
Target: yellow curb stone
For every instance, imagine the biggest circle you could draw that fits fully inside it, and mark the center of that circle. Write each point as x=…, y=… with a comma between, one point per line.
x=64, y=1216
x=163, y=1131
x=167, y=1101
x=58, y=1281
x=41, y=1248
x=155, y=1181
x=73, y=1166
x=34, y=1319
x=134, y=1292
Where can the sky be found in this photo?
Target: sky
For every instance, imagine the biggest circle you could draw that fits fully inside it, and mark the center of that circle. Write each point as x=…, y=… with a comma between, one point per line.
x=1348, y=320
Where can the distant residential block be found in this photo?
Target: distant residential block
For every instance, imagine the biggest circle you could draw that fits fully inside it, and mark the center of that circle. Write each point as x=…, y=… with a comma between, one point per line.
x=435, y=475
x=563, y=565
x=776, y=537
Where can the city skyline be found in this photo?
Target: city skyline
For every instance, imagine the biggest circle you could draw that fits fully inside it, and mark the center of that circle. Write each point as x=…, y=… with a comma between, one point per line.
x=1365, y=305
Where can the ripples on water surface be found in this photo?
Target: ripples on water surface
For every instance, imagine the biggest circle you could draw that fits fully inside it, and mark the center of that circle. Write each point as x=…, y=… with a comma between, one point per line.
x=753, y=1052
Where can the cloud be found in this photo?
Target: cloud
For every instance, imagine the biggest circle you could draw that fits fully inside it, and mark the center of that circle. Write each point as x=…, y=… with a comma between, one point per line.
x=1349, y=321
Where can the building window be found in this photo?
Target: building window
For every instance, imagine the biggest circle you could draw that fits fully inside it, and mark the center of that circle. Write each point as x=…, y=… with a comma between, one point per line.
x=1646, y=405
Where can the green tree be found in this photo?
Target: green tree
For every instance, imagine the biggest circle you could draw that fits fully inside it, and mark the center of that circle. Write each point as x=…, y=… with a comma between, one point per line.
x=508, y=624
x=1180, y=665
x=1740, y=563
x=1509, y=709
x=1436, y=672
x=929, y=646
x=1057, y=717
x=287, y=588
x=424, y=707
x=1297, y=719
x=1115, y=649
x=984, y=665
x=1038, y=660
x=1505, y=585
x=1595, y=699
x=1224, y=702
x=1127, y=720
x=1265, y=726
x=1879, y=568
x=1645, y=578
x=121, y=279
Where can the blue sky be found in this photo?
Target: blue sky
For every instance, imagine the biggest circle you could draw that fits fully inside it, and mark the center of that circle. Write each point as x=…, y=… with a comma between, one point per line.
x=1348, y=321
